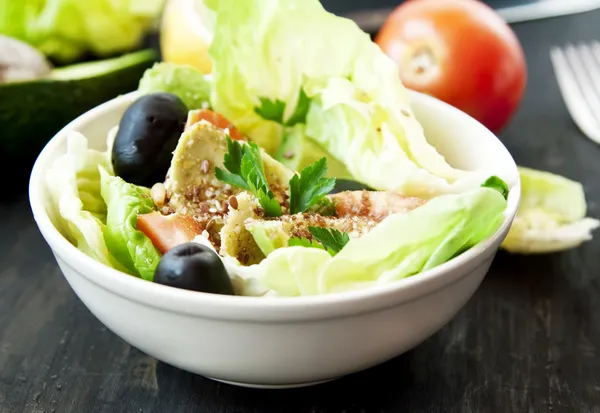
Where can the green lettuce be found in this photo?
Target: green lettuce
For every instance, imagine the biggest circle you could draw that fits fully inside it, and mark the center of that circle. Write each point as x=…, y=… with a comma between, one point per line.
x=130, y=247
x=281, y=63
x=73, y=183
x=65, y=30
x=185, y=81
x=400, y=246
x=551, y=215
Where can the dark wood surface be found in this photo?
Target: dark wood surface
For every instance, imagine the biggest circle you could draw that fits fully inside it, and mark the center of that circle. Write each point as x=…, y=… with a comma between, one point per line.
x=526, y=342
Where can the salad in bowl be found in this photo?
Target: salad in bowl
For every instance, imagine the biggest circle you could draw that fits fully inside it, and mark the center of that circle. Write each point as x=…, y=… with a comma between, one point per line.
x=297, y=167
x=293, y=217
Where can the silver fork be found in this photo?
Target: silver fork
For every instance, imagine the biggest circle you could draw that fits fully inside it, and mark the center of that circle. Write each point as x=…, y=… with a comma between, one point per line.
x=577, y=70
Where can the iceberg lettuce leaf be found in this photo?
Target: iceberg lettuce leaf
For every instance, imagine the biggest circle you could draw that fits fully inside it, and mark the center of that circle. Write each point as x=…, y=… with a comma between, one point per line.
x=73, y=182
x=130, y=247
x=65, y=30
x=551, y=215
x=185, y=81
x=278, y=63
x=400, y=246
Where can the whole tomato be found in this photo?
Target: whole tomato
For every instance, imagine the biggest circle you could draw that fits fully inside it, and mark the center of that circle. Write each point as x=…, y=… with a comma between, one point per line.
x=460, y=51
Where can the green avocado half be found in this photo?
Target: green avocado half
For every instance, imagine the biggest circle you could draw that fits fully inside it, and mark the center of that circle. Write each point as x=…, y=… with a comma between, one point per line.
x=33, y=111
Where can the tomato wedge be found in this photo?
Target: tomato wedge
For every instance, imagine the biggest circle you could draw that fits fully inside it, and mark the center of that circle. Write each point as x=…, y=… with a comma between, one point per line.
x=216, y=119
x=168, y=231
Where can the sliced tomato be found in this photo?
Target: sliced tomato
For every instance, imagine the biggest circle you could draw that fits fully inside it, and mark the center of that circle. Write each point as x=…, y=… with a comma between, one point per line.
x=168, y=231
x=216, y=119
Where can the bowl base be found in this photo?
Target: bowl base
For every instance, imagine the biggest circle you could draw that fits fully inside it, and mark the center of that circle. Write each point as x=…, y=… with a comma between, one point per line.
x=273, y=386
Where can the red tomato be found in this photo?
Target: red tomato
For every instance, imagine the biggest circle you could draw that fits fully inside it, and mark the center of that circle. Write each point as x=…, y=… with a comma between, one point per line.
x=168, y=231
x=460, y=51
x=216, y=119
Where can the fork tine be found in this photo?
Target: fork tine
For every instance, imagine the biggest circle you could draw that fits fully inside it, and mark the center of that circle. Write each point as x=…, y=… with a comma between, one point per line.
x=592, y=66
x=596, y=49
x=572, y=95
x=583, y=78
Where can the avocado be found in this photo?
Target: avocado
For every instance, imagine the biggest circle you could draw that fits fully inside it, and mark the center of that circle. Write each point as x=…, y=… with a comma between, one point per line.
x=298, y=151
x=199, y=151
x=276, y=232
x=33, y=111
x=193, y=189
x=236, y=240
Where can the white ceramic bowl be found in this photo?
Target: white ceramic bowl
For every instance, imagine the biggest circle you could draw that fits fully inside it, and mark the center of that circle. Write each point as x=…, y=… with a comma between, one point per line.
x=281, y=342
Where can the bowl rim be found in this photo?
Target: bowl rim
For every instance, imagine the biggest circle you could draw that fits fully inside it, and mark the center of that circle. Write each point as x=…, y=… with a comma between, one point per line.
x=273, y=309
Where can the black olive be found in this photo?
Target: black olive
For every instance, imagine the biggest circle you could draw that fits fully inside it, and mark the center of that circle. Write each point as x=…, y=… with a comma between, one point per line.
x=148, y=134
x=193, y=266
x=342, y=185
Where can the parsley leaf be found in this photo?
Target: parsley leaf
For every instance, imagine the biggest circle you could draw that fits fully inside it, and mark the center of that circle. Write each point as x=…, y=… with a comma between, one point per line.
x=493, y=182
x=304, y=242
x=310, y=186
x=299, y=115
x=332, y=239
x=233, y=162
x=245, y=170
x=271, y=110
x=274, y=109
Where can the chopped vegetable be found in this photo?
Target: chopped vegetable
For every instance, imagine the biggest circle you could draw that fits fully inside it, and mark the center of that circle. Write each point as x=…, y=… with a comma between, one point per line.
x=168, y=231
x=217, y=120
x=309, y=187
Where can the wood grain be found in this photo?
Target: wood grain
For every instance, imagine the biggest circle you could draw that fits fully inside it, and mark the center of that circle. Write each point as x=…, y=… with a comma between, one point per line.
x=527, y=341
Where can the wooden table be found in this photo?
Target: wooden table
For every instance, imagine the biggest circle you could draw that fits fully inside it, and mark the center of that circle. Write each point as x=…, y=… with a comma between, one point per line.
x=526, y=342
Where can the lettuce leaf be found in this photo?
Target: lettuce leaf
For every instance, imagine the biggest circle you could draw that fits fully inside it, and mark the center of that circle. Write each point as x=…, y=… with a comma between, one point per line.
x=278, y=63
x=65, y=30
x=130, y=247
x=73, y=182
x=551, y=215
x=185, y=81
x=400, y=246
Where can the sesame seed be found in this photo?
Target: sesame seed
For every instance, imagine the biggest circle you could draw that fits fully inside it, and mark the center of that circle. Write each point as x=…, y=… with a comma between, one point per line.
x=205, y=166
